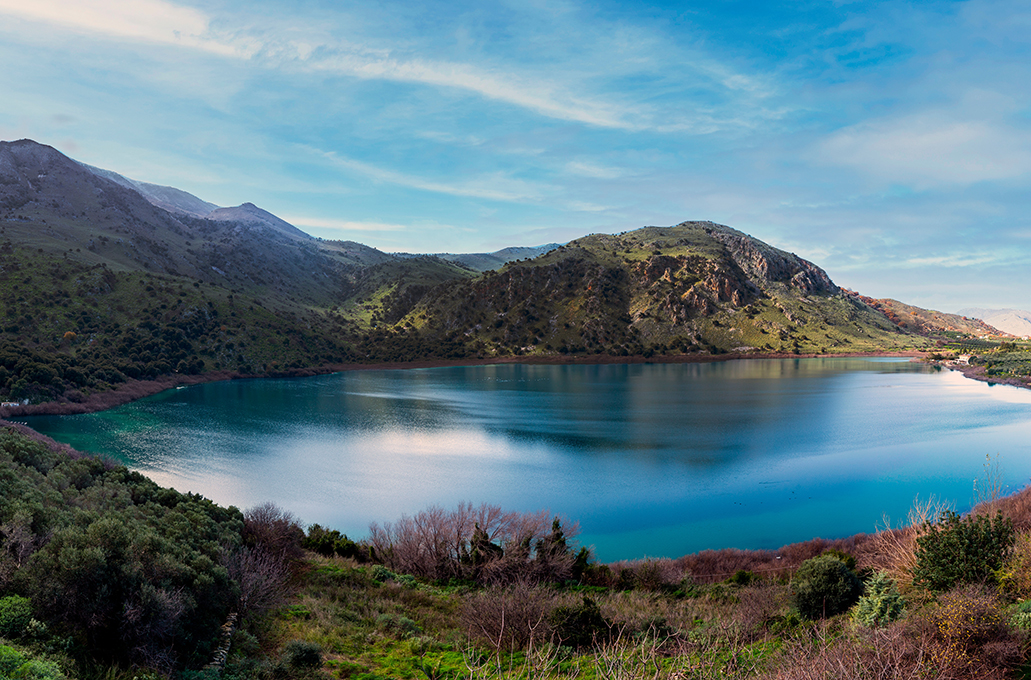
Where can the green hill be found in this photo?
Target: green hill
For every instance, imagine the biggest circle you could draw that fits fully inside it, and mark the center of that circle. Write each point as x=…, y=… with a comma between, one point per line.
x=695, y=287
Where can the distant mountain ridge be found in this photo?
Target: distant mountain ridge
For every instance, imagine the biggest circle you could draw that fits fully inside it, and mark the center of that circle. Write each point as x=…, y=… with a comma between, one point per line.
x=1013, y=321
x=481, y=262
x=928, y=321
x=169, y=198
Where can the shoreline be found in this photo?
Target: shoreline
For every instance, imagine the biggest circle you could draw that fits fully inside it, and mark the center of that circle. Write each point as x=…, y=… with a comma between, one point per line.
x=708, y=565
x=133, y=390
x=978, y=373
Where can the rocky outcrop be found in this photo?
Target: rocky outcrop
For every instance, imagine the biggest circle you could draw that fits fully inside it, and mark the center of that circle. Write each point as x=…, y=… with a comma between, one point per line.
x=764, y=263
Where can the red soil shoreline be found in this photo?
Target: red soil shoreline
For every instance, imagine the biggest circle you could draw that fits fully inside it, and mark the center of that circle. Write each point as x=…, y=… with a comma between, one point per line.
x=138, y=389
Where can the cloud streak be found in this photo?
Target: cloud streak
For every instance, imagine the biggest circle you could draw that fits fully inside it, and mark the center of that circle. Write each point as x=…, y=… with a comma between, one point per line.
x=152, y=21
x=492, y=187
x=543, y=97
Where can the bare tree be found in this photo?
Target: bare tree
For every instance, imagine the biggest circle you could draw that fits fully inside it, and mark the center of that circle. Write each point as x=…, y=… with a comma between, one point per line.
x=482, y=542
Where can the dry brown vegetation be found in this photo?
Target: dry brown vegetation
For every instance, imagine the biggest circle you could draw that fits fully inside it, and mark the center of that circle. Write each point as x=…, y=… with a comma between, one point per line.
x=434, y=608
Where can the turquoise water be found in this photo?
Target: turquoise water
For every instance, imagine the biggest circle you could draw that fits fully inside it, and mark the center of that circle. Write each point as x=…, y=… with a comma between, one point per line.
x=652, y=459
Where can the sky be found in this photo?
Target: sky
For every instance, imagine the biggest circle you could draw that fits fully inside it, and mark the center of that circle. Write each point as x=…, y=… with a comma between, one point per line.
x=888, y=142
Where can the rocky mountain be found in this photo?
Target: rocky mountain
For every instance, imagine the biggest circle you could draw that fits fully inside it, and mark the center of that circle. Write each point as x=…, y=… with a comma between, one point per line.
x=694, y=287
x=1013, y=321
x=66, y=210
x=104, y=279
x=169, y=198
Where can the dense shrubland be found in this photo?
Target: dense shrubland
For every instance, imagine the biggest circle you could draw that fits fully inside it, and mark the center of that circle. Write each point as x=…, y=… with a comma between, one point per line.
x=100, y=567
x=1008, y=359
x=72, y=330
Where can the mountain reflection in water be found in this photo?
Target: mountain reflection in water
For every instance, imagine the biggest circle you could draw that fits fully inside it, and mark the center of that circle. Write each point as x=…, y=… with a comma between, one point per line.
x=651, y=459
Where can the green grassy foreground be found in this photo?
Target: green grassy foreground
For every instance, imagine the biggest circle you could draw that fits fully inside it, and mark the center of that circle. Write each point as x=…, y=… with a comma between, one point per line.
x=105, y=575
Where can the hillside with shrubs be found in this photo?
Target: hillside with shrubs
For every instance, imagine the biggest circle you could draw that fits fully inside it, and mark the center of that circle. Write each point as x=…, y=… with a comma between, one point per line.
x=103, y=288
x=105, y=575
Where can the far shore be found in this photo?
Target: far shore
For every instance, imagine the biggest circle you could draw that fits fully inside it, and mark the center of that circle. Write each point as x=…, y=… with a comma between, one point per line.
x=978, y=373
x=132, y=390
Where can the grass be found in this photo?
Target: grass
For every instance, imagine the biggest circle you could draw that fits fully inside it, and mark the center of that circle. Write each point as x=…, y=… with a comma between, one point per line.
x=666, y=619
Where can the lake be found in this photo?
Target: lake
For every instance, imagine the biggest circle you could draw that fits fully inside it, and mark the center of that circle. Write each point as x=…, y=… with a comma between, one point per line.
x=651, y=459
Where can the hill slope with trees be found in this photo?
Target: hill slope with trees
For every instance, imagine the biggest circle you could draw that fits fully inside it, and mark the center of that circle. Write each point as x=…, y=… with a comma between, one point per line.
x=102, y=285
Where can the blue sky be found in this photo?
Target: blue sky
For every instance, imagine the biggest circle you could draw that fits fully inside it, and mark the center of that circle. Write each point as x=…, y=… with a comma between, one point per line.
x=889, y=142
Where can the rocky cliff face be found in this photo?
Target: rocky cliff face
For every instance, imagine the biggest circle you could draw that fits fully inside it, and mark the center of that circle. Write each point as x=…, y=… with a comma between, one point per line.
x=764, y=263
x=695, y=285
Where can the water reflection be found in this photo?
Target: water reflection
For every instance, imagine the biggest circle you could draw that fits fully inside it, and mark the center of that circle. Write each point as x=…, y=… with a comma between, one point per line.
x=652, y=459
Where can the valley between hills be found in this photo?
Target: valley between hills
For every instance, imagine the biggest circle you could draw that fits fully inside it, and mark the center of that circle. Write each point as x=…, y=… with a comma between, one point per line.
x=112, y=289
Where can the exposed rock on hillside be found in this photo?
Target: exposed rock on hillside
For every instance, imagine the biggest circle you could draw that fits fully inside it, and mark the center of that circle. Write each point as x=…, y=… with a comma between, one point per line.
x=927, y=321
x=696, y=286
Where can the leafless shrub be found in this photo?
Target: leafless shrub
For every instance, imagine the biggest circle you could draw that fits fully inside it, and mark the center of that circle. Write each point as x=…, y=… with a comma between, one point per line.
x=275, y=531
x=712, y=566
x=1016, y=507
x=757, y=606
x=17, y=543
x=149, y=622
x=509, y=619
x=885, y=653
x=649, y=574
x=262, y=577
x=483, y=543
x=971, y=636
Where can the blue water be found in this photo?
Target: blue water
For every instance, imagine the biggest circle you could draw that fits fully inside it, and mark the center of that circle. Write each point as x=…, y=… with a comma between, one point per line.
x=653, y=459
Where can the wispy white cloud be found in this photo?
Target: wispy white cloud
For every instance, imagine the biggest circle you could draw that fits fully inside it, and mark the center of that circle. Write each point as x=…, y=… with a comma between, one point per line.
x=153, y=21
x=537, y=94
x=492, y=186
x=165, y=23
x=585, y=206
x=962, y=259
x=595, y=170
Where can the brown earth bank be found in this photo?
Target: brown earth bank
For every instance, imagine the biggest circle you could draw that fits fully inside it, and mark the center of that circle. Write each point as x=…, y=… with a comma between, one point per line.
x=132, y=390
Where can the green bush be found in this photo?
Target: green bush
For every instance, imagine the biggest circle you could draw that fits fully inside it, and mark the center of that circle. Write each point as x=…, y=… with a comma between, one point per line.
x=880, y=604
x=962, y=550
x=742, y=577
x=15, y=614
x=302, y=654
x=10, y=660
x=580, y=626
x=131, y=571
x=402, y=626
x=825, y=586
x=35, y=669
x=381, y=574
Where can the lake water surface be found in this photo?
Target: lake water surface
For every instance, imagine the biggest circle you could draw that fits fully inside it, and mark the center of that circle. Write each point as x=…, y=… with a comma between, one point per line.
x=651, y=459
